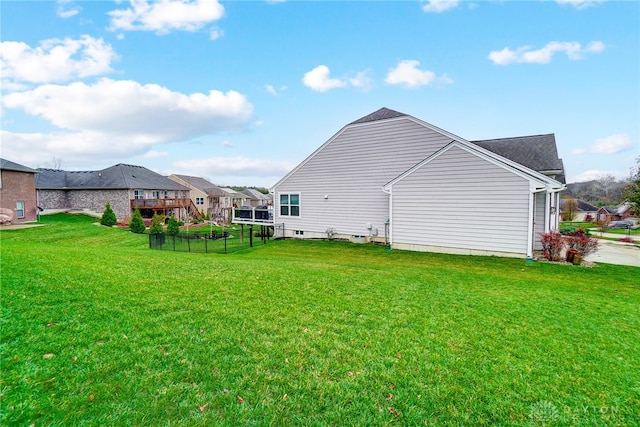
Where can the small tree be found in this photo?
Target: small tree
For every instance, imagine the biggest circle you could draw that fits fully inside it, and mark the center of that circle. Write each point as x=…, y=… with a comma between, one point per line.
x=632, y=189
x=108, y=216
x=172, y=227
x=137, y=224
x=570, y=209
x=156, y=224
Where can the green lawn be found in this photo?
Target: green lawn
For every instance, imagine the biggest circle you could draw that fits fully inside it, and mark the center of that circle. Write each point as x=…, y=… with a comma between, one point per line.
x=99, y=330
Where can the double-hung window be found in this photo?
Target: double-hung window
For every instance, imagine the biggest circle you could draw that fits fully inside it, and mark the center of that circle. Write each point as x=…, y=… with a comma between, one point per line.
x=138, y=194
x=290, y=204
x=20, y=209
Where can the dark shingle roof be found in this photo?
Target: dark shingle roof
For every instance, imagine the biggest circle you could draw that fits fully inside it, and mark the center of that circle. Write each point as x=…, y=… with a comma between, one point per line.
x=381, y=114
x=203, y=185
x=581, y=204
x=16, y=167
x=120, y=176
x=537, y=152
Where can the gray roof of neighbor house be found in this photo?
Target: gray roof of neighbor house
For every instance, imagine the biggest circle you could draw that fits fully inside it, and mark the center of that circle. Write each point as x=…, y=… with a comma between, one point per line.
x=255, y=194
x=203, y=185
x=16, y=167
x=120, y=176
x=581, y=204
x=537, y=152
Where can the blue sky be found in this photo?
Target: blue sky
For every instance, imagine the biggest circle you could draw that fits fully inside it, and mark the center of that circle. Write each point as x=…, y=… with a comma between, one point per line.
x=240, y=92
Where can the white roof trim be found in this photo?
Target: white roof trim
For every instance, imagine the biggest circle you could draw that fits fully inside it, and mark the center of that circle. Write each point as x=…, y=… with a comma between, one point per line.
x=472, y=148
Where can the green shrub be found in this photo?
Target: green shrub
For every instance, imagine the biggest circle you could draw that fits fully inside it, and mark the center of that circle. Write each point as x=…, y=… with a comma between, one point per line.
x=137, y=224
x=173, y=227
x=156, y=224
x=108, y=216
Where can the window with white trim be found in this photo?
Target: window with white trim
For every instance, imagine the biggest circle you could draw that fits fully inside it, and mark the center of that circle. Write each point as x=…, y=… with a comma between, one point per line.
x=290, y=204
x=199, y=200
x=155, y=194
x=138, y=194
x=19, y=209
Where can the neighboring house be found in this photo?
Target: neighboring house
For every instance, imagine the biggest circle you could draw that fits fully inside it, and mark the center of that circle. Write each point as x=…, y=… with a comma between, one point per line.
x=234, y=199
x=207, y=197
x=584, y=211
x=389, y=177
x=614, y=213
x=18, y=198
x=125, y=187
x=257, y=198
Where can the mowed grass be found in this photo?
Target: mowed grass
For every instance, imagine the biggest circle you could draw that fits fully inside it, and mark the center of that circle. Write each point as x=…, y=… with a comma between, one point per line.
x=99, y=330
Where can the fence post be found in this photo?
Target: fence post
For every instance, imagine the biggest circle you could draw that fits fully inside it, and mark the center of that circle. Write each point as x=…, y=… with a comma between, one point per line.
x=251, y=236
x=224, y=235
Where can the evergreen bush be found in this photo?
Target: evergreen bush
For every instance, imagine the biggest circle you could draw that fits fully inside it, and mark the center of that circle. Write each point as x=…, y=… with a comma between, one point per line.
x=156, y=224
x=108, y=216
x=172, y=226
x=137, y=224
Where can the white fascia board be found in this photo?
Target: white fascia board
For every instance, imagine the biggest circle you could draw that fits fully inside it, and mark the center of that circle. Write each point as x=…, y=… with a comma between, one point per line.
x=551, y=183
x=535, y=182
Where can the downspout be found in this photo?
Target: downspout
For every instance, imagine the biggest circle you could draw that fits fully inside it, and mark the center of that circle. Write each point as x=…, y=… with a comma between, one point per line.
x=390, y=219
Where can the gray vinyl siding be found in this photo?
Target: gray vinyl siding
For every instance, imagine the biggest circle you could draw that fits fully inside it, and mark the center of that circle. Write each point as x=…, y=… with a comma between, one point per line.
x=462, y=201
x=351, y=170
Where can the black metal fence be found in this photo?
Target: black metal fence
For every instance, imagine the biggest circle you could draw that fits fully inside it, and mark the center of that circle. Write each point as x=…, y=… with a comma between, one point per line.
x=220, y=242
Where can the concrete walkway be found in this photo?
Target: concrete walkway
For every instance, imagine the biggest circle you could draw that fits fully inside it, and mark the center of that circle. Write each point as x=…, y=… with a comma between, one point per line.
x=616, y=253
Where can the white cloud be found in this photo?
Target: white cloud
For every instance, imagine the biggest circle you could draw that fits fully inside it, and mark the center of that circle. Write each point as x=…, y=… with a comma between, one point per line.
x=215, y=33
x=318, y=79
x=55, y=60
x=408, y=74
x=166, y=15
x=594, y=174
x=525, y=55
x=66, y=9
x=438, y=6
x=361, y=80
x=121, y=117
x=235, y=166
x=612, y=144
x=275, y=91
x=154, y=154
x=579, y=4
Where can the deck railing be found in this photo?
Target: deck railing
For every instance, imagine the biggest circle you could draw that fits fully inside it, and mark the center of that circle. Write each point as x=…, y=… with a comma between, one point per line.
x=159, y=203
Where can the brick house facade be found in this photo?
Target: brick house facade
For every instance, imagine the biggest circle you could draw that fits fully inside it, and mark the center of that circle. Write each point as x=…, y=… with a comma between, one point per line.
x=18, y=191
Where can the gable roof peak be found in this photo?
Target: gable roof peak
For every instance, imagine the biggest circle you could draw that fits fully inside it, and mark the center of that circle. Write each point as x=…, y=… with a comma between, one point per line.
x=381, y=114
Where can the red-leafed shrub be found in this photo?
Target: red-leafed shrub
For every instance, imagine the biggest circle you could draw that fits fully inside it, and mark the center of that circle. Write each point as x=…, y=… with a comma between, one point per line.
x=582, y=243
x=552, y=245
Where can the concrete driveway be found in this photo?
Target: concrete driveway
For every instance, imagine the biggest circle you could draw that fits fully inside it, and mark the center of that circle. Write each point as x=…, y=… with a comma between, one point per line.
x=616, y=253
